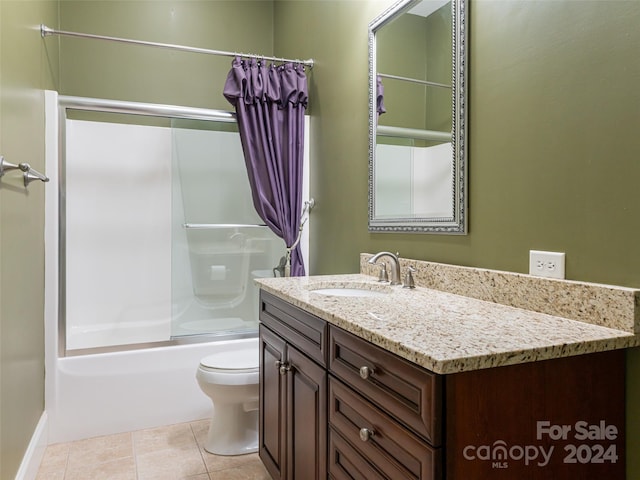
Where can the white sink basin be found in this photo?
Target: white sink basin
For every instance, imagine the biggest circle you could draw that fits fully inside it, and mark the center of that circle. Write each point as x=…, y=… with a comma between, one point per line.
x=350, y=292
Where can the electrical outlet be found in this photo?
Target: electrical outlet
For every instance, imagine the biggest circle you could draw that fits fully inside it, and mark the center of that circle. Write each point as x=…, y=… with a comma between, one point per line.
x=546, y=264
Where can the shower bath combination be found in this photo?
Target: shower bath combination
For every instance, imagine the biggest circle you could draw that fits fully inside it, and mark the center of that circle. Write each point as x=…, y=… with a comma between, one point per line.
x=160, y=236
x=155, y=267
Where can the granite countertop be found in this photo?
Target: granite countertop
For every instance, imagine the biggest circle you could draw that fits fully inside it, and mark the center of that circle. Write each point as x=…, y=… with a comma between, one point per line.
x=445, y=332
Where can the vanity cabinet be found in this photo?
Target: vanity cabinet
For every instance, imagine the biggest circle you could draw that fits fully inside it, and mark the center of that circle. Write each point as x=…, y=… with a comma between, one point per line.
x=293, y=392
x=333, y=405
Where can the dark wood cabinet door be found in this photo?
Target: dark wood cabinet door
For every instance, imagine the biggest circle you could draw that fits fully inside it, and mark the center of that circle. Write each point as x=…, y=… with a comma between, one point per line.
x=273, y=398
x=306, y=418
x=293, y=411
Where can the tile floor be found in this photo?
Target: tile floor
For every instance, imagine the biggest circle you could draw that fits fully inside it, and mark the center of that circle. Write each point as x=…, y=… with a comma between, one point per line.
x=173, y=452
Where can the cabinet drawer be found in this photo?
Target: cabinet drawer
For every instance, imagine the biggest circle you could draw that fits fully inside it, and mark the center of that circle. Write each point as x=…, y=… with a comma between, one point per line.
x=346, y=463
x=303, y=330
x=388, y=446
x=405, y=391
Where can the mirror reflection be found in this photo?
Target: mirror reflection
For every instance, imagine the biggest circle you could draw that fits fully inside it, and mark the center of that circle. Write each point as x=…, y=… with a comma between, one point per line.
x=417, y=157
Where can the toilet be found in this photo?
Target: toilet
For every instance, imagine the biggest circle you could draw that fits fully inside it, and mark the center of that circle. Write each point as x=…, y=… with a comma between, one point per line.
x=229, y=377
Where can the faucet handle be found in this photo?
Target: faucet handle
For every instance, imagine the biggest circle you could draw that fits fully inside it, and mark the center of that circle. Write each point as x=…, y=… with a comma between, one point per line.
x=383, y=276
x=408, y=278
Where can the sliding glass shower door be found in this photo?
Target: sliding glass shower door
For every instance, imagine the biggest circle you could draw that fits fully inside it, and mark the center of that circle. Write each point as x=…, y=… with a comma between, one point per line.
x=115, y=213
x=159, y=237
x=219, y=244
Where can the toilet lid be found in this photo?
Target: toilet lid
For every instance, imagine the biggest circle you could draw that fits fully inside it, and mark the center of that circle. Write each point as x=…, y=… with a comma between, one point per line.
x=234, y=360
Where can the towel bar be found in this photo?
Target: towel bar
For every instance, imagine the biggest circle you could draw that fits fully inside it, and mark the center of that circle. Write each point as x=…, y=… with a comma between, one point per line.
x=29, y=174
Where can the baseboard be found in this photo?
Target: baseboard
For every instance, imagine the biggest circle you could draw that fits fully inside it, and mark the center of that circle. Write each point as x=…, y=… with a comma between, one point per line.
x=35, y=451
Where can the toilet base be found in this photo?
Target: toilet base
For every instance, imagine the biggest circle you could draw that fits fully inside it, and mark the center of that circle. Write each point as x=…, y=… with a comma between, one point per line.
x=232, y=431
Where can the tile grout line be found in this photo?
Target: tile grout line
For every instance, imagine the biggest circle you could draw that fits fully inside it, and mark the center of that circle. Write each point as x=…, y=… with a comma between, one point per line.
x=135, y=455
x=66, y=462
x=200, y=448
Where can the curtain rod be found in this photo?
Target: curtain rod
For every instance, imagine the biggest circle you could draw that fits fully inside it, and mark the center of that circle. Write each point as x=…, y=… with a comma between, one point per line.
x=46, y=31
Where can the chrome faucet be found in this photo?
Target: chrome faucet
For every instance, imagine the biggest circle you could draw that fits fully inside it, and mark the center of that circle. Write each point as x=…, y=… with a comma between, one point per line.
x=395, y=263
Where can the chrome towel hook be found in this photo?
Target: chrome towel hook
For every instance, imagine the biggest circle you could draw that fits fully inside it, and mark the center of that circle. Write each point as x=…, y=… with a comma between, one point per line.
x=29, y=174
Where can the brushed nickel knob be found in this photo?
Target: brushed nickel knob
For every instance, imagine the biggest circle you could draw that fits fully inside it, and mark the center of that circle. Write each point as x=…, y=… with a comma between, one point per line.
x=366, y=434
x=282, y=367
x=366, y=372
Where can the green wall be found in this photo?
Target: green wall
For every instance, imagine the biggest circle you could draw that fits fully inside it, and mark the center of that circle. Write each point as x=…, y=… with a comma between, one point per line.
x=553, y=108
x=27, y=66
x=91, y=68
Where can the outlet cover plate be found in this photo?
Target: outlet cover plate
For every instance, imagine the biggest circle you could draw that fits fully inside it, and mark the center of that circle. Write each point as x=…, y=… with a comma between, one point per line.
x=546, y=264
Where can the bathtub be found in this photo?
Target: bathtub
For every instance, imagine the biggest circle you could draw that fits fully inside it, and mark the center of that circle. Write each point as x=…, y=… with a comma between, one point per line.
x=102, y=394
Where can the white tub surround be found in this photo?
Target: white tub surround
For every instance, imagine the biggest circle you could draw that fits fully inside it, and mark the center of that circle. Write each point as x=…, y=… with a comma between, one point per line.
x=453, y=332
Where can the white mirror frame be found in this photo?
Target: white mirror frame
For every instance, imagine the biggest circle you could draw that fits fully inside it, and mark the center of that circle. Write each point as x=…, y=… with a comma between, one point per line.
x=456, y=224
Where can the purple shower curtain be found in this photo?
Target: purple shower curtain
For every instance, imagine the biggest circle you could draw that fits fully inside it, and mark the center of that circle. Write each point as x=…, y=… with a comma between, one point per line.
x=270, y=103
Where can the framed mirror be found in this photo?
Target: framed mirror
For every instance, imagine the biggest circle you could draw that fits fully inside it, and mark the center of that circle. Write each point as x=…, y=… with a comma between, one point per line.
x=417, y=118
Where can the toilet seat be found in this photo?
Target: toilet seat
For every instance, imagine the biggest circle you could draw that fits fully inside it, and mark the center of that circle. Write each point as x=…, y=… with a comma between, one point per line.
x=237, y=361
x=236, y=367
